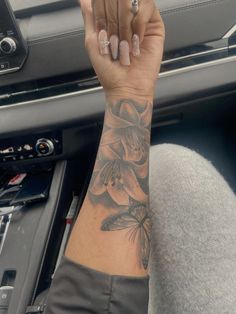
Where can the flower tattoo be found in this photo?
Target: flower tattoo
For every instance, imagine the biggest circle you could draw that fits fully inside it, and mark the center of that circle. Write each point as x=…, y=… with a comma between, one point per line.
x=130, y=128
x=121, y=172
x=119, y=178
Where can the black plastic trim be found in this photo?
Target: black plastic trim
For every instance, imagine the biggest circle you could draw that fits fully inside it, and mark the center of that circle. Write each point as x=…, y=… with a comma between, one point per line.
x=84, y=108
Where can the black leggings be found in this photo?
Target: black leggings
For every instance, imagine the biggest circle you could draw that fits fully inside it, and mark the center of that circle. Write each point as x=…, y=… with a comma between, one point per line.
x=77, y=289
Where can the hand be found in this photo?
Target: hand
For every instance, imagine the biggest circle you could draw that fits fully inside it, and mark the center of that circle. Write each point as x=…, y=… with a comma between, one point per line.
x=139, y=77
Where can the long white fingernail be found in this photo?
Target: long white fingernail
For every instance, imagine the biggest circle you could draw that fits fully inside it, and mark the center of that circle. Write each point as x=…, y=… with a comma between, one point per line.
x=136, y=45
x=103, y=42
x=124, y=53
x=114, y=40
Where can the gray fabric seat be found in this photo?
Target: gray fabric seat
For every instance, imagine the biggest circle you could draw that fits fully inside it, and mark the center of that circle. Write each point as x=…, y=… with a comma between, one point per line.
x=193, y=261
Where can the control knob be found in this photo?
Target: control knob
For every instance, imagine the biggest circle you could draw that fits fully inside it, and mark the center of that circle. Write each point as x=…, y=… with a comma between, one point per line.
x=44, y=147
x=8, y=45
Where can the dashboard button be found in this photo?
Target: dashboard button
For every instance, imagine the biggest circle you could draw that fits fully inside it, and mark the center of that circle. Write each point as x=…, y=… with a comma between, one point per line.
x=4, y=66
x=44, y=147
x=7, y=150
x=28, y=147
x=9, y=158
x=5, y=296
x=8, y=45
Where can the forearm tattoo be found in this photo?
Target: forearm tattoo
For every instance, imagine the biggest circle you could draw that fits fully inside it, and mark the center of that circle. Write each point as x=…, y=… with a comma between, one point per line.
x=120, y=180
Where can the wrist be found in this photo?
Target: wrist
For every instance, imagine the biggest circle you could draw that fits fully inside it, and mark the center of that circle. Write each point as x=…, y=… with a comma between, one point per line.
x=115, y=95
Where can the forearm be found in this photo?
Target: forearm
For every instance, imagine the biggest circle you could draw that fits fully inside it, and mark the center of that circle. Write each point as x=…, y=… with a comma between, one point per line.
x=112, y=232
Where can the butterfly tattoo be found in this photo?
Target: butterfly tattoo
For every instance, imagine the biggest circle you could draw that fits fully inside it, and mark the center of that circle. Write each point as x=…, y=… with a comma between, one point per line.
x=138, y=220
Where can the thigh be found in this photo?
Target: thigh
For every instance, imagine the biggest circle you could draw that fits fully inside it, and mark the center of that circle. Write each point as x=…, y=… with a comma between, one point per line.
x=77, y=289
x=193, y=259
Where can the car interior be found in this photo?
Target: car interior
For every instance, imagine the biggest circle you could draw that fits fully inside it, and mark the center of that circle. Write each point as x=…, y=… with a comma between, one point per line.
x=51, y=118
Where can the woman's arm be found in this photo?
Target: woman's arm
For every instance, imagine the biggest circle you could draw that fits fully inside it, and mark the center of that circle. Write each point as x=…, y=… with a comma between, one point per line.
x=104, y=269
x=112, y=233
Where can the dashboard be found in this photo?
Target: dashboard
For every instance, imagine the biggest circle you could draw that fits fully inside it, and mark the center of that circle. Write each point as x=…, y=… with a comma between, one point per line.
x=57, y=88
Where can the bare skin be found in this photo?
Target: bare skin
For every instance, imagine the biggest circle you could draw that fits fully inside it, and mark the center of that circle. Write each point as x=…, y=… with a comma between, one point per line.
x=112, y=232
x=139, y=78
x=113, y=228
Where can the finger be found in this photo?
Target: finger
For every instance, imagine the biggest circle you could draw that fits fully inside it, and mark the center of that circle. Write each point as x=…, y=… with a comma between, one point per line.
x=111, y=7
x=125, y=20
x=124, y=53
x=103, y=42
x=142, y=18
x=99, y=16
x=112, y=25
x=99, y=12
x=92, y=43
x=86, y=9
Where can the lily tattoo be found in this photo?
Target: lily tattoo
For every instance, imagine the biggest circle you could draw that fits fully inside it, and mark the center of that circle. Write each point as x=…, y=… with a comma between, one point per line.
x=121, y=172
x=129, y=126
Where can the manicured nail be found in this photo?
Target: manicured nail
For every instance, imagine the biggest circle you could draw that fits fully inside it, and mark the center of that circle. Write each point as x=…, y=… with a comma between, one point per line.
x=103, y=42
x=136, y=45
x=124, y=53
x=114, y=40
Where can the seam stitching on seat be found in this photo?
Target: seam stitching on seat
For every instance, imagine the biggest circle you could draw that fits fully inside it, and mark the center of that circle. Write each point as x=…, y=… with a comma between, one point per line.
x=110, y=296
